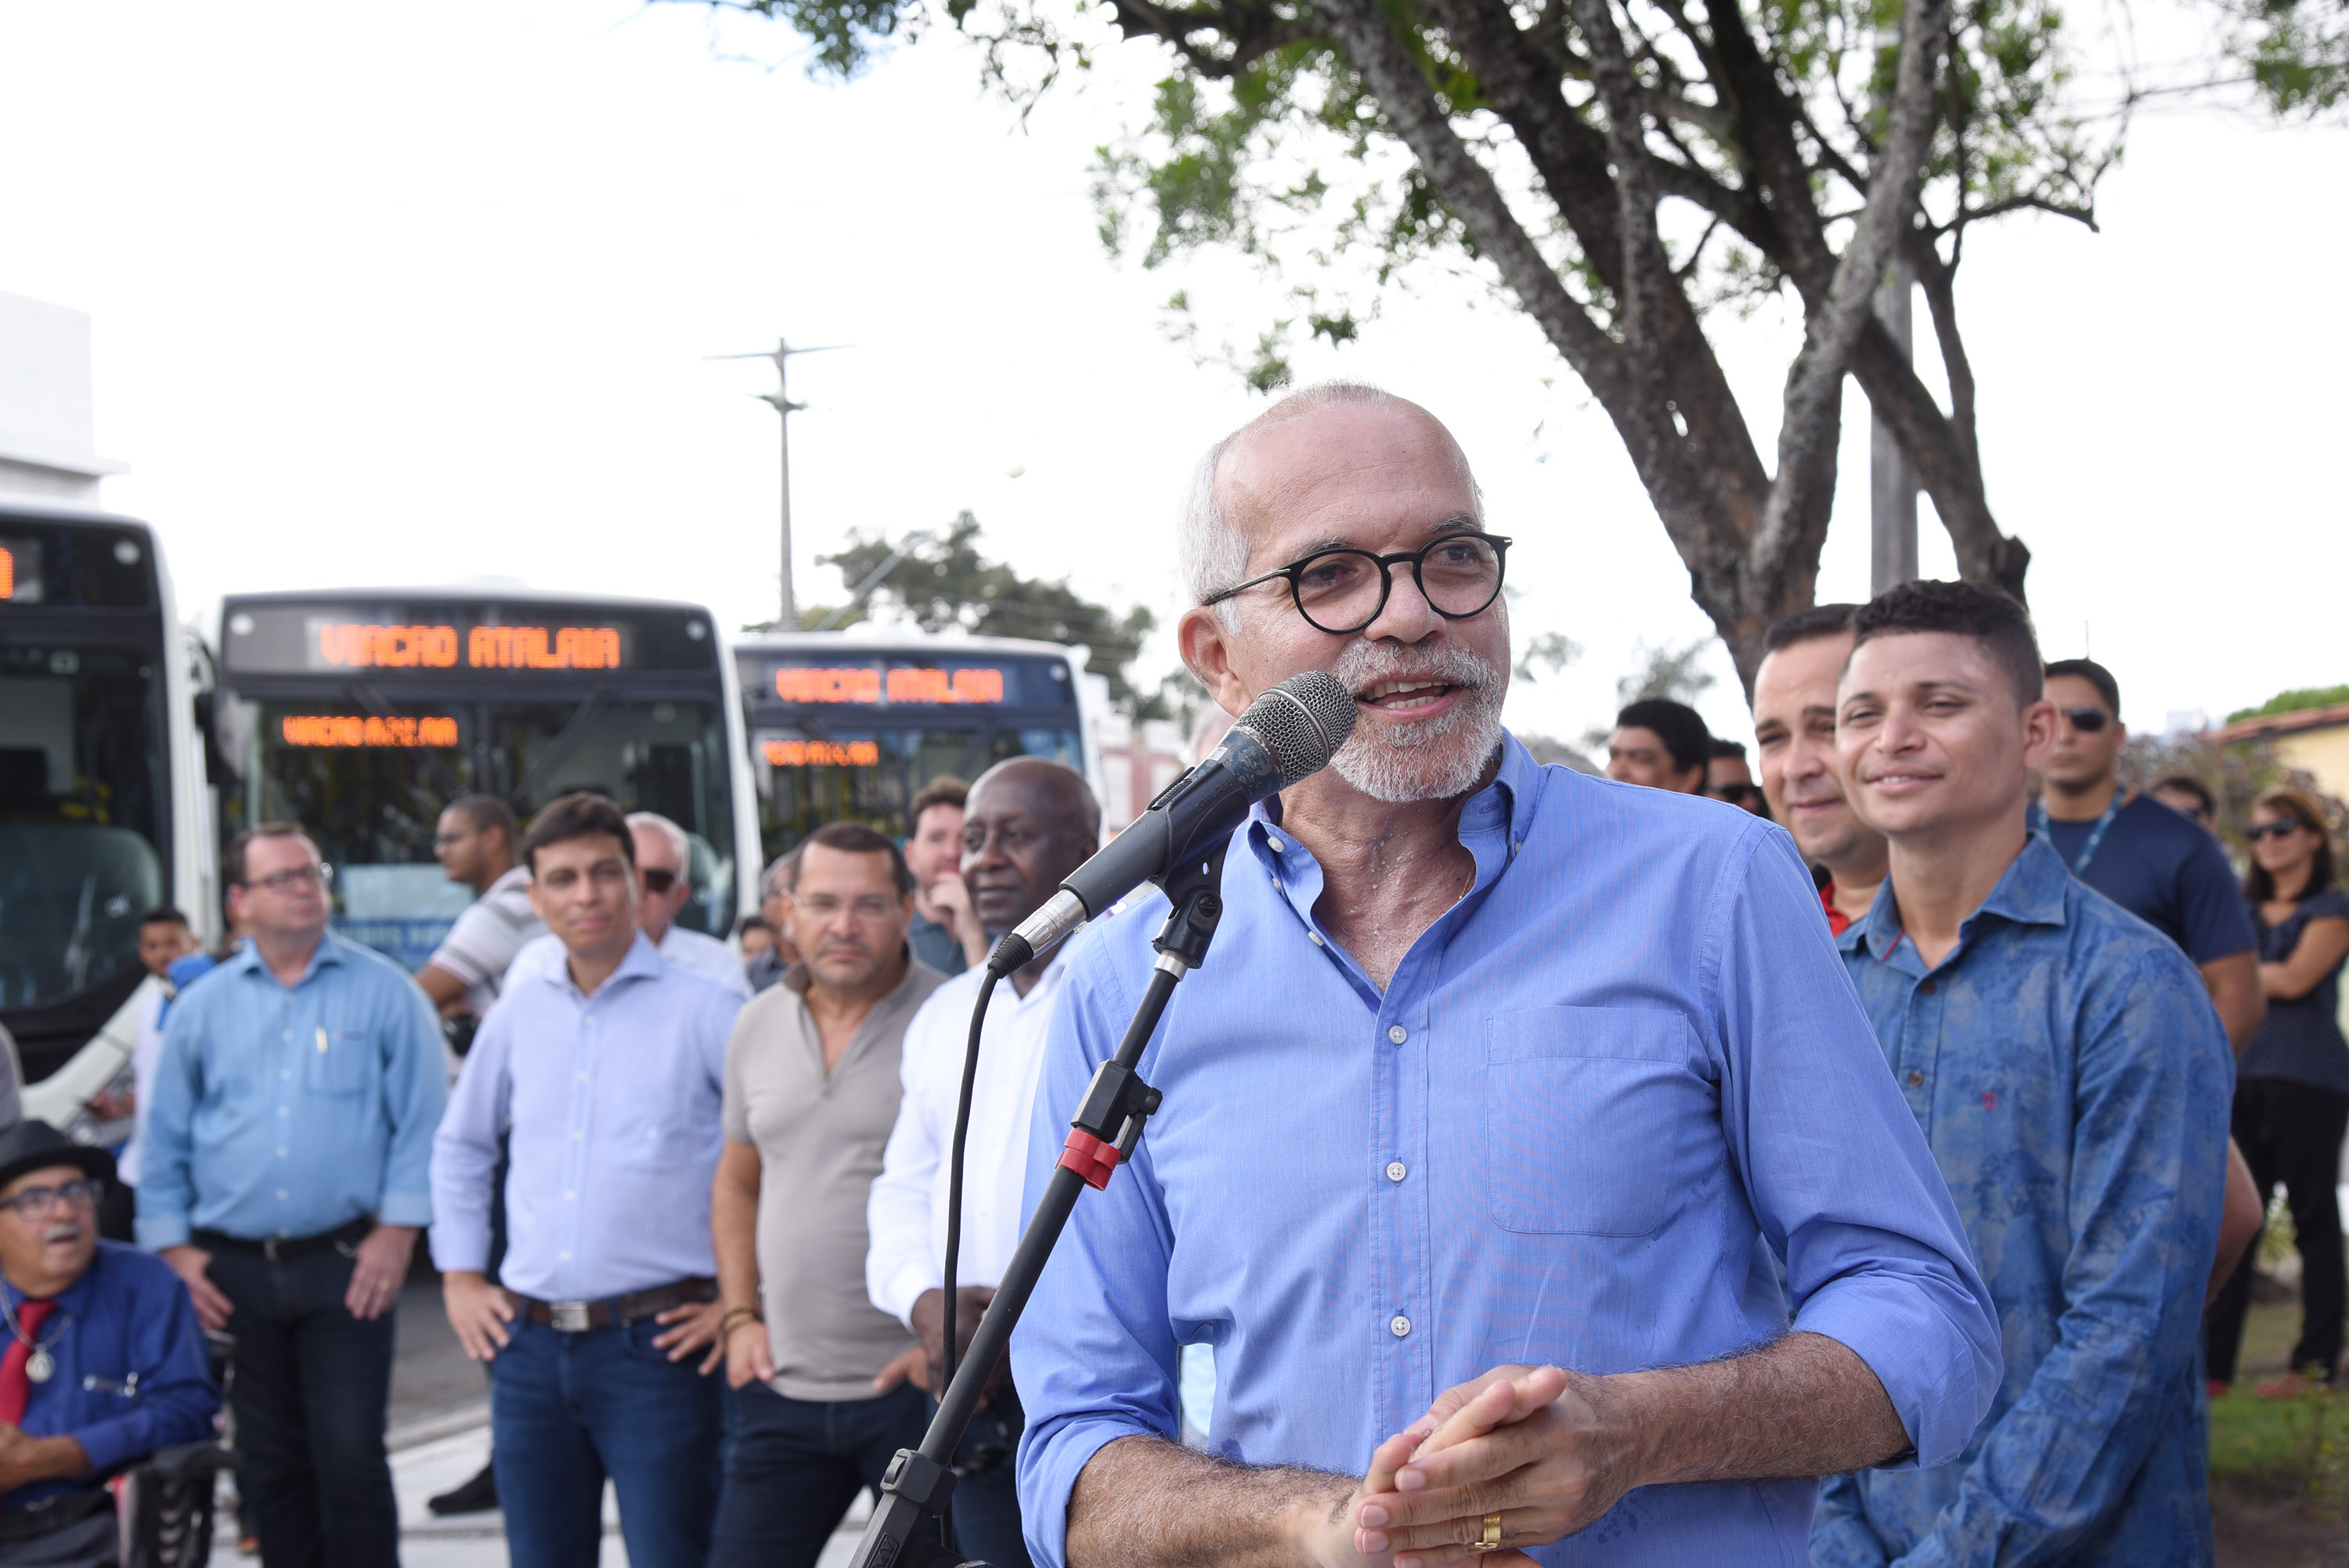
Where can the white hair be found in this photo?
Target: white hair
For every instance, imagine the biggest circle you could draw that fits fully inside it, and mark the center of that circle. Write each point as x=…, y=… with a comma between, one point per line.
x=673, y=834
x=1212, y=553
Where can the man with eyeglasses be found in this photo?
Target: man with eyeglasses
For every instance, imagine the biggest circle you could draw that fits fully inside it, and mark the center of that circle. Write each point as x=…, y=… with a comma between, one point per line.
x=285, y=1176
x=820, y=1377
x=104, y=1365
x=604, y=1069
x=1482, y=1122
x=2138, y=853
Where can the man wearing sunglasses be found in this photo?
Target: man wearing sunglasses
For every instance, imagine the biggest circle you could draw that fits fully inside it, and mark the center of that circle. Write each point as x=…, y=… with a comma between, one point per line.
x=105, y=1362
x=285, y=1175
x=1482, y=1121
x=2138, y=852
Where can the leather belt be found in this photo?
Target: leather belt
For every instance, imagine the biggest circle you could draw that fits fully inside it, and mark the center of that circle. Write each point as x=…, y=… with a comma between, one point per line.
x=280, y=1249
x=579, y=1317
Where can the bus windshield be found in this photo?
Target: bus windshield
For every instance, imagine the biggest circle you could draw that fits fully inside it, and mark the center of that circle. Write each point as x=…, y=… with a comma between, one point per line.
x=86, y=808
x=841, y=729
x=457, y=699
x=80, y=816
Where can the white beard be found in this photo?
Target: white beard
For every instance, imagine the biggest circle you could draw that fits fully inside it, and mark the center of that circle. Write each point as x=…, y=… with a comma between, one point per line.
x=1434, y=759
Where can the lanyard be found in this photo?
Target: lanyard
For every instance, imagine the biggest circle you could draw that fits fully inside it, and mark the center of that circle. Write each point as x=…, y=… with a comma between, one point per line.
x=2095, y=834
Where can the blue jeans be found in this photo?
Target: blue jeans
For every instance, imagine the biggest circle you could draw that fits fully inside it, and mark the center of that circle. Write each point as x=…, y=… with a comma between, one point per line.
x=797, y=1464
x=568, y=1409
x=312, y=1388
x=987, y=1497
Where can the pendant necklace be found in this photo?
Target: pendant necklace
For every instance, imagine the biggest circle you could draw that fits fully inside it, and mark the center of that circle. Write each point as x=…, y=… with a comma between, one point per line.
x=39, y=1365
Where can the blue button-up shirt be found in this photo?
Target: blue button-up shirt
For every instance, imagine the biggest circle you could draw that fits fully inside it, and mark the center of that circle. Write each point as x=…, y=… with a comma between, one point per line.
x=2066, y=1063
x=131, y=1371
x=291, y=1110
x=613, y=1098
x=1595, y=1096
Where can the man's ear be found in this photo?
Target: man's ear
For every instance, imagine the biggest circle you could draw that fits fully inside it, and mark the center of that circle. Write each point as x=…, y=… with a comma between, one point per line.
x=2042, y=727
x=1206, y=645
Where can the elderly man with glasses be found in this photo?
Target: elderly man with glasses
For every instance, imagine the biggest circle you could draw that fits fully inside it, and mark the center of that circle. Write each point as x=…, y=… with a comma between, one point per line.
x=1483, y=1121
x=285, y=1173
x=104, y=1362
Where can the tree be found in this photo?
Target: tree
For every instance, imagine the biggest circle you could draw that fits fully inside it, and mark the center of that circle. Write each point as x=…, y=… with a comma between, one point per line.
x=1622, y=170
x=942, y=580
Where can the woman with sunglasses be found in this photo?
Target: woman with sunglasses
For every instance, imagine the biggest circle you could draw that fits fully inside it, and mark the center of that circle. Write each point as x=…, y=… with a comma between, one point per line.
x=2292, y=1086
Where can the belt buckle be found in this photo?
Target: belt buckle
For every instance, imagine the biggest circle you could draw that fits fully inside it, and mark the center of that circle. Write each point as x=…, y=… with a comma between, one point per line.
x=269, y=1247
x=568, y=1317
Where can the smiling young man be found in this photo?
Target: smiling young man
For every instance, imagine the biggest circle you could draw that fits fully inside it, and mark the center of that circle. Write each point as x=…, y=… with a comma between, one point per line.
x=1493, y=1064
x=2065, y=1062
x=1795, y=733
x=1028, y=823
x=604, y=1071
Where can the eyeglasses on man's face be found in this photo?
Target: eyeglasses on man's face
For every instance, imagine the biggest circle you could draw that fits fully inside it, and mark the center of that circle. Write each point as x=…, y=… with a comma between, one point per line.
x=658, y=879
x=1342, y=590
x=35, y=1203
x=315, y=874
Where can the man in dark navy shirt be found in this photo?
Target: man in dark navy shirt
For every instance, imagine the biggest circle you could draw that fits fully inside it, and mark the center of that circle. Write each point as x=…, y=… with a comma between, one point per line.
x=2138, y=852
x=104, y=1361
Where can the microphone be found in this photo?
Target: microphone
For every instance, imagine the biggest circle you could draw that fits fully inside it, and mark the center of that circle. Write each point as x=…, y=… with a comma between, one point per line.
x=1288, y=733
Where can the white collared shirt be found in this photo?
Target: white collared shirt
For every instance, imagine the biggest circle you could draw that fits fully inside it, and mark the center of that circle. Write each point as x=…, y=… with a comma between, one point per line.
x=906, y=1215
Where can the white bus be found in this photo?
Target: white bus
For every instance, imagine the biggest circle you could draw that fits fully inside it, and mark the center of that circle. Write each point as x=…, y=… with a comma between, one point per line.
x=104, y=811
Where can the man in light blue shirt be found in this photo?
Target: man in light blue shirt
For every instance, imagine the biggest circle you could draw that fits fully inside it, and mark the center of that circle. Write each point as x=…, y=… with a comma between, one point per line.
x=607, y=1068
x=284, y=1177
x=1483, y=1121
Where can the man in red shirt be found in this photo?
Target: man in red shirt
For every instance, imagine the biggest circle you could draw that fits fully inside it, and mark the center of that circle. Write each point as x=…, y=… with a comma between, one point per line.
x=1793, y=731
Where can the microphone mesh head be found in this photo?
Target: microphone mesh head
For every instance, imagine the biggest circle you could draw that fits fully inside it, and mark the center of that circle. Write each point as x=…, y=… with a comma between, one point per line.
x=1301, y=723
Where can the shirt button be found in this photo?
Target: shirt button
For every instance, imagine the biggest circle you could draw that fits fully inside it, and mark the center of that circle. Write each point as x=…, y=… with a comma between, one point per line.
x=281, y=1194
x=286, y=1073
x=1314, y=938
x=1927, y=987
x=1916, y=1081
x=567, y=1197
x=1274, y=845
x=284, y=1110
x=1399, y=1325
x=1398, y=1034
x=281, y=1154
x=1395, y=1171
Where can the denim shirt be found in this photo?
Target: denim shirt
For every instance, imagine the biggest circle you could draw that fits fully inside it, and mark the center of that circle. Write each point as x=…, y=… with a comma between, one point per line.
x=1595, y=1098
x=2073, y=1080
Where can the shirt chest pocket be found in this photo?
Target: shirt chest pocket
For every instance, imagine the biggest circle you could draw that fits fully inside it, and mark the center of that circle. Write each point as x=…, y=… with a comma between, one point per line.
x=1586, y=1114
x=338, y=1062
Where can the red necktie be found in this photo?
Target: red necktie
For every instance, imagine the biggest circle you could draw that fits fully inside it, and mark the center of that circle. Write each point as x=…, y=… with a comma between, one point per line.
x=14, y=1386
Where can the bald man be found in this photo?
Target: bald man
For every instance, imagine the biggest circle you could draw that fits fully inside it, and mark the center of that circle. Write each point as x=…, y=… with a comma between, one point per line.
x=1028, y=823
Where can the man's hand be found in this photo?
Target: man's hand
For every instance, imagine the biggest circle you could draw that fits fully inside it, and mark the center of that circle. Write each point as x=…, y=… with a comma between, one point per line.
x=212, y=1305
x=478, y=1312
x=750, y=1358
x=951, y=898
x=930, y=1328
x=1541, y=1447
x=910, y=1365
x=693, y=1325
x=378, y=1269
x=26, y=1459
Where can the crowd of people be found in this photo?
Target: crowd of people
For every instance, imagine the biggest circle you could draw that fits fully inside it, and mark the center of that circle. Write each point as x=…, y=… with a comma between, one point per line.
x=1552, y=1166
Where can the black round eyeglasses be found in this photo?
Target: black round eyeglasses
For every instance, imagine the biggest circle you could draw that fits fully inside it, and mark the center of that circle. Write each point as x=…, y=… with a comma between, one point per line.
x=1343, y=590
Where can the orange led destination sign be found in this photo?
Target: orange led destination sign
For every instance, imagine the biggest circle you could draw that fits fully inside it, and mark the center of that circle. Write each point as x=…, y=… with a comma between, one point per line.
x=369, y=646
x=822, y=753
x=863, y=684
x=353, y=729
x=7, y=573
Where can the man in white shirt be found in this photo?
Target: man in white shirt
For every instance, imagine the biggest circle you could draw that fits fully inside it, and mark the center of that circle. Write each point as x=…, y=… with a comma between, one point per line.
x=1028, y=823
x=474, y=842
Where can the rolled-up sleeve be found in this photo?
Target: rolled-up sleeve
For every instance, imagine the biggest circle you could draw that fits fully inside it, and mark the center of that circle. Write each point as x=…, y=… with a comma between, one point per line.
x=1094, y=1358
x=1842, y=1181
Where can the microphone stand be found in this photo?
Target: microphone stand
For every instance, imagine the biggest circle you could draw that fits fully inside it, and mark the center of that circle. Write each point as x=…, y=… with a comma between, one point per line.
x=916, y=1490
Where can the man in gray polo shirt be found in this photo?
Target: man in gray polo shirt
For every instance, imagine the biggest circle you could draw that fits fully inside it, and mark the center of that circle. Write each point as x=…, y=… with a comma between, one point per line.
x=819, y=1377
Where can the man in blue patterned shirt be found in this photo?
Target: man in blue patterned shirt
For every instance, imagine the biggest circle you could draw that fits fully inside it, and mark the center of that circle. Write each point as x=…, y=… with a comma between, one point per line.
x=2067, y=1066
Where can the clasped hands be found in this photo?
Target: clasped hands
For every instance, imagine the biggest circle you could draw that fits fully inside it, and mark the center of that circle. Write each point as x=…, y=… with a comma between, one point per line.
x=1546, y=1449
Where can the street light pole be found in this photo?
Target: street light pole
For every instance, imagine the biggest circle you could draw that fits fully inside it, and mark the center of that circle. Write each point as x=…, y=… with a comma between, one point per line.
x=779, y=399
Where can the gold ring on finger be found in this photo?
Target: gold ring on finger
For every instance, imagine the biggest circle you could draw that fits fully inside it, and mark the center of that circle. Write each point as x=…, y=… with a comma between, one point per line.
x=1489, y=1538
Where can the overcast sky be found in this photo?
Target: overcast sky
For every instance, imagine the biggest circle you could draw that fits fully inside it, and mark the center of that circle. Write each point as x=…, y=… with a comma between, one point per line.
x=387, y=294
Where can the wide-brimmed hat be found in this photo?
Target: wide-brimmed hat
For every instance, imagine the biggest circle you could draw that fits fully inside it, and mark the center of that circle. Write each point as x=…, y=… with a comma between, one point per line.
x=32, y=1145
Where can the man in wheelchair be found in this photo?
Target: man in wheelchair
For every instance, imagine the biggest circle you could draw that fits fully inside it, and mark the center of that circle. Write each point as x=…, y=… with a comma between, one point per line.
x=104, y=1362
